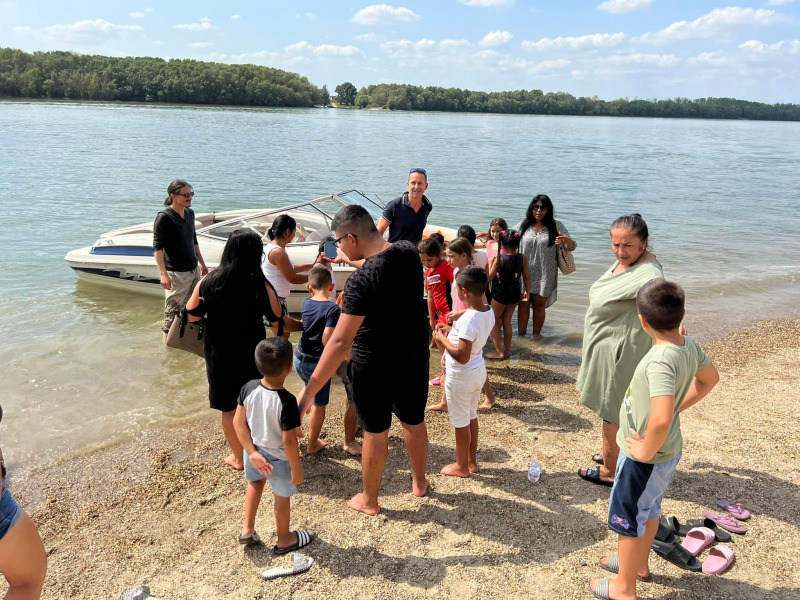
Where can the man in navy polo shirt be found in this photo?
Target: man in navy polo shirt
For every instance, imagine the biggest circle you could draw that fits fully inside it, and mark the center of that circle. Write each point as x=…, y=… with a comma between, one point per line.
x=406, y=216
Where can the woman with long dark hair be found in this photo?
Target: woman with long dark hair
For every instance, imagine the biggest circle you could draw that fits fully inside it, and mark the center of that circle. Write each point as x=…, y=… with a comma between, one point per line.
x=540, y=237
x=235, y=298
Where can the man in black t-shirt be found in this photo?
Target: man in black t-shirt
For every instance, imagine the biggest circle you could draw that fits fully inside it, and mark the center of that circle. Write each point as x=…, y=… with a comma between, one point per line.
x=176, y=250
x=384, y=321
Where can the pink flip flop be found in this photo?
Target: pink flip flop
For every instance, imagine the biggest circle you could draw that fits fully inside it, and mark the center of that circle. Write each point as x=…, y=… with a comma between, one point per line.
x=726, y=522
x=735, y=508
x=698, y=539
x=720, y=558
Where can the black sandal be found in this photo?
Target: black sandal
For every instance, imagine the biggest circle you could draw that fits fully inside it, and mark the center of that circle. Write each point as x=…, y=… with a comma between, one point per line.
x=592, y=475
x=678, y=555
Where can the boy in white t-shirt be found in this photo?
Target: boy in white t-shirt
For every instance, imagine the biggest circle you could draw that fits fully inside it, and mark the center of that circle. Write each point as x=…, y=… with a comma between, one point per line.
x=466, y=370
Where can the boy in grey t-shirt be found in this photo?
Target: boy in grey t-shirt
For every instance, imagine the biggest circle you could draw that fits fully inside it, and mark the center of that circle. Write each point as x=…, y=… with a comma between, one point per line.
x=674, y=375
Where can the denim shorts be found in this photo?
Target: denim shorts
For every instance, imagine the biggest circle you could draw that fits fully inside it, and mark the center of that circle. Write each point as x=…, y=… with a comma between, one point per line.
x=280, y=479
x=636, y=496
x=305, y=365
x=10, y=511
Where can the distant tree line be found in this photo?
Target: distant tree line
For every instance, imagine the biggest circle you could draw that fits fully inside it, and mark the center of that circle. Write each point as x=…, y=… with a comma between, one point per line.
x=535, y=102
x=85, y=77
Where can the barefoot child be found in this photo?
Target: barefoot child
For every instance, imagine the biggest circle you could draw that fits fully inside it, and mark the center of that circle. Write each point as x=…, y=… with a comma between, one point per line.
x=674, y=375
x=320, y=316
x=505, y=273
x=438, y=281
x=466, y=372
x=267, y=420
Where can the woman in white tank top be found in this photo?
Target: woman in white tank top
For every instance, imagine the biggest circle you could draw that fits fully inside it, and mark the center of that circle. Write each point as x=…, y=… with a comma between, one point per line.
x=276, y=265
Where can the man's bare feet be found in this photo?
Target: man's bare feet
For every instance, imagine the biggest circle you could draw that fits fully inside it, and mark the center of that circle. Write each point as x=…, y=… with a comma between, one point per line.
x=422, y=490
x=495, y=356
x=473, y=468
x=315, y=446
x=359, y=503
x=353, y=448
x=441, y=407
x=233, y=463
x=454, y=470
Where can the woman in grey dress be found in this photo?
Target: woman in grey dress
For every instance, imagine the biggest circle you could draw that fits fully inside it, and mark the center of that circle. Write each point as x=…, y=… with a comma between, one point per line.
x=540, y=236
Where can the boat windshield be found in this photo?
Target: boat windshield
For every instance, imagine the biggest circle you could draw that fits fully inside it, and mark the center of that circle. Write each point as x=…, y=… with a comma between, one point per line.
x=313, y=226
x=356, y=197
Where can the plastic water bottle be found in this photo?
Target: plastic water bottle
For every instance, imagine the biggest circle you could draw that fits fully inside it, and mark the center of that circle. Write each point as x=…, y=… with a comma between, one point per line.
x=535, y=472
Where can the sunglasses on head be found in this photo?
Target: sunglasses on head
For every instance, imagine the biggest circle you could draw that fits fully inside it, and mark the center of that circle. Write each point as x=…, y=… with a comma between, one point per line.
x=423, y=171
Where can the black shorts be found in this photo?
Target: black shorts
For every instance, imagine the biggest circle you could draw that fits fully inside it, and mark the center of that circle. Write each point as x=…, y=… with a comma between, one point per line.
x=380, y=389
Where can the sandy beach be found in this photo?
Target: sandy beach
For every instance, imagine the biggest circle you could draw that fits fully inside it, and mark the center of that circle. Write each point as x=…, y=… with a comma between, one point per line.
x=164, y=511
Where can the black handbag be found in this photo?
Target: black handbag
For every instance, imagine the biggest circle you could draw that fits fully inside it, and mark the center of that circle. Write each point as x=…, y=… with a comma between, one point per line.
x=187, y=336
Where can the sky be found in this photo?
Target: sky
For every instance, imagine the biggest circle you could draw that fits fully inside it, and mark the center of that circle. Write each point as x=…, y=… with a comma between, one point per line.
x=610, y=49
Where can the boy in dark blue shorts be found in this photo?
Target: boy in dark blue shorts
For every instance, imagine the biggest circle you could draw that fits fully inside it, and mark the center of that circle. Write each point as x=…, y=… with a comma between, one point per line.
x=267, y=422
x=674, y=375
x=320, y=317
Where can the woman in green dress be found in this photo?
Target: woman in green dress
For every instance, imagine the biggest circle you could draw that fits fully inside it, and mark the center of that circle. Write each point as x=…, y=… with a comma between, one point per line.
x=613, y=339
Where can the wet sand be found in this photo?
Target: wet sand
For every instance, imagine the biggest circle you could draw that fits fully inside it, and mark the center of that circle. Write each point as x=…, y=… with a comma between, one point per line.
x=164, y=511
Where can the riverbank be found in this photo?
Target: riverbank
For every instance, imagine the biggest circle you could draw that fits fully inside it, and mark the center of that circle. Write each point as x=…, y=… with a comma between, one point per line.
x=164, y=511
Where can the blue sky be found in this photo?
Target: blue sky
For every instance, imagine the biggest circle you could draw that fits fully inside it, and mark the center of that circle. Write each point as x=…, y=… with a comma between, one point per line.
x=612, y=49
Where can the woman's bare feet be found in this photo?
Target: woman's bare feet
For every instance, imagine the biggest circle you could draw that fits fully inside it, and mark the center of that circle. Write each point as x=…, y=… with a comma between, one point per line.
x=441, y=407
x=315, y=446
x=359, y=503
x=353, y=448
x=454, y=470
x=473, y=468
x=233, y=463
x=487, y=405
x=495, y=356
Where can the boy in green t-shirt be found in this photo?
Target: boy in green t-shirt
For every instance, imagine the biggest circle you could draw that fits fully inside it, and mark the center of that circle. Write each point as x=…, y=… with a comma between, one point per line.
x=674, y=375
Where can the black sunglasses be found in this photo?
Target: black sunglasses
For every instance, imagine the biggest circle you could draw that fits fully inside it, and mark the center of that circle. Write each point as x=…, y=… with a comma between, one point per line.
x=187, y=195
x=337, y=242
x=539, y=207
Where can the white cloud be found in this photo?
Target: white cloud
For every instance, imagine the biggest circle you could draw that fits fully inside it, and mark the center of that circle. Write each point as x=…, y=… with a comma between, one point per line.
x=405, y=48
x=137, y=15
x=711, y=59
x=203, y=24
x=201, y=45
x=710, y=24
x=656, y=60
x=454, y=45
x=84, y=29
x=779, y=2
x=370, y=38
x=23, y=28
x=148, y=10
x=236, y=17
x=495, y=38
x=594, y=40
x=624, y=6
x=778, y=48
x=550, y=65
x=488, y=3
x=384, y=14
x=329, y=49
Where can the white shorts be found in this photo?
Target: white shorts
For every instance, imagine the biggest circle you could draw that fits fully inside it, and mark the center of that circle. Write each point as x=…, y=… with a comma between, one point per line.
x=463, y=389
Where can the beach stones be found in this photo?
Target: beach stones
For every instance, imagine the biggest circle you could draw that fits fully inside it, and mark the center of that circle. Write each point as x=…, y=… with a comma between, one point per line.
x=139, y=593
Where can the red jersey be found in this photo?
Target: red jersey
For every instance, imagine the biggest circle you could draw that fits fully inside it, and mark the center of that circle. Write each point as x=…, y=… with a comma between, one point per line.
x=439, y=282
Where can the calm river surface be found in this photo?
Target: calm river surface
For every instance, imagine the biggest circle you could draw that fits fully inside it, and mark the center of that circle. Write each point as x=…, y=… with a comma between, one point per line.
x=81, y=366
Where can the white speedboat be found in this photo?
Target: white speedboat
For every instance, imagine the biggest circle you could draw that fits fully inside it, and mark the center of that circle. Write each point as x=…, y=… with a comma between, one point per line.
x=123, y=258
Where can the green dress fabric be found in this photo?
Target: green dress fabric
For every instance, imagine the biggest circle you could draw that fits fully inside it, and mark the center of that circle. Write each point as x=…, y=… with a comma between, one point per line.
x=613, y=339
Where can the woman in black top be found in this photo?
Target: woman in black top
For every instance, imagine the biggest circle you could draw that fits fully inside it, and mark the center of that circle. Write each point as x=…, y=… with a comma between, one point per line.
x=234, y=298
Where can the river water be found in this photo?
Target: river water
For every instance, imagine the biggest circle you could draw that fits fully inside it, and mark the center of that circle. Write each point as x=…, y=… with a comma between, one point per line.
x=81, y=366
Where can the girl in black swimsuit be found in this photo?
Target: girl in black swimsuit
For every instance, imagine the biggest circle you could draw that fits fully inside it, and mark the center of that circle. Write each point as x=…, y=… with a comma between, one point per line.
x=507, y=272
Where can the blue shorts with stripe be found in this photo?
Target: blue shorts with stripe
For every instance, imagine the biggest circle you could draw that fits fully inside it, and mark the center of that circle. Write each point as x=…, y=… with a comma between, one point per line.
x=637, y=494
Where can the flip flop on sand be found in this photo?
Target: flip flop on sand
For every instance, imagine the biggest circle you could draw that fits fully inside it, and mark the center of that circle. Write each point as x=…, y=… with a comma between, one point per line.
x=304, y=538
x=592, y=475
x=677, y=555
x=601, y=589
x=720, y=534
x=301, y=564
x=720, y=558
x=612, y=566
x=598, y=458
x=250, y=539
x=698, y=539
x=735, y=508
x=726, y=522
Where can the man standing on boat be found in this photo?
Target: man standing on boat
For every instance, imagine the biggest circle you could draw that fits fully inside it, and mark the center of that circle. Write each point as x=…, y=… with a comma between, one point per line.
x=176, y=250
x=406, y=216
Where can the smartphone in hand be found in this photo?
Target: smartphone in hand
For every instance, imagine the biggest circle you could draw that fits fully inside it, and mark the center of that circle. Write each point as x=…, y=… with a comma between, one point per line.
x=330, y=250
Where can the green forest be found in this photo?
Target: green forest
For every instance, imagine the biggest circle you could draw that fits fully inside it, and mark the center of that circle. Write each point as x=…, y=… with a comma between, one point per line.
x=143, y=79
x=67, y=75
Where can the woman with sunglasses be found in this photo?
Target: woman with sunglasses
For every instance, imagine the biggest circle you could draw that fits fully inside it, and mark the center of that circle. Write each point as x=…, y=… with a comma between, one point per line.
x=540, y=237
x=23, y=561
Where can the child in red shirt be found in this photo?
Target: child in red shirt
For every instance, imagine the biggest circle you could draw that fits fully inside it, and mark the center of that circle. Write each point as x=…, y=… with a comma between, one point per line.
x=438, y=281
